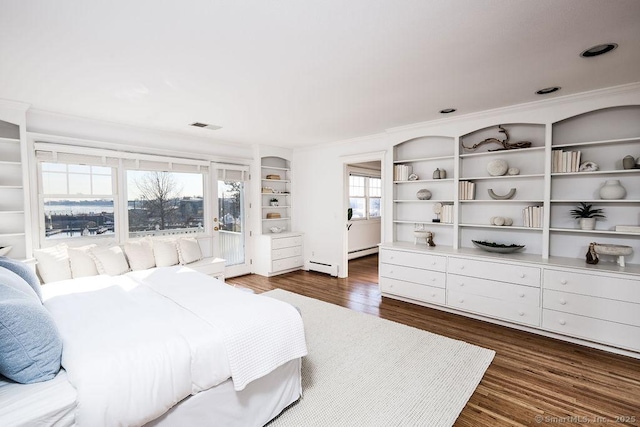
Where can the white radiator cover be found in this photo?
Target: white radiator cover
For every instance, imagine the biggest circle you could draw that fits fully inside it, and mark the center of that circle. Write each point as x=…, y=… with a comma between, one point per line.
x=323, y=267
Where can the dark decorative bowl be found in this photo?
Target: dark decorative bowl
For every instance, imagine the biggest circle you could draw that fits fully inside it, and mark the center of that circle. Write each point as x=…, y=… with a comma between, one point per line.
x=497, y=247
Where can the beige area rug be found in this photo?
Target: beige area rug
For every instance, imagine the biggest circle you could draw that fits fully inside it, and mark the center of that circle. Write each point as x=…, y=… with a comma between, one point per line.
x=365, y=371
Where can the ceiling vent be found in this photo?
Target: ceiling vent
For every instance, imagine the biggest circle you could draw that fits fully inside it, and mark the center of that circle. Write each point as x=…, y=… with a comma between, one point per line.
x=205, y=126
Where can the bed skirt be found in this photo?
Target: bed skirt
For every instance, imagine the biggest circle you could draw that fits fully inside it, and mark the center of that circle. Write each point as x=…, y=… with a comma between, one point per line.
x=261, y=401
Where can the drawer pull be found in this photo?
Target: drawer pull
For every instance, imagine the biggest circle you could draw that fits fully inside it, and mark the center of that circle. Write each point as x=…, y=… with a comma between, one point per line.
x=461, y=267
x=521, y=295
x=522, y=275
x=461, y=300
x=433, y=263
x=563, y=302
x=390, y=257
x=461, y=283
x=433, y=279
x=433, y=294
x=521, y=313
x=562, y=322
x=563, y=281
x=390, y=271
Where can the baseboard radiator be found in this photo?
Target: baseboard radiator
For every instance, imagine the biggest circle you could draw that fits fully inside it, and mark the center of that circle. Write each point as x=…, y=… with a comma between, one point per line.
x=362, y=252
x=331, y=269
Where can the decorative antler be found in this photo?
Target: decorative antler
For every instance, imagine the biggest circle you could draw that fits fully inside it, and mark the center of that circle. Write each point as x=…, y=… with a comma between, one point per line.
x=504, y=142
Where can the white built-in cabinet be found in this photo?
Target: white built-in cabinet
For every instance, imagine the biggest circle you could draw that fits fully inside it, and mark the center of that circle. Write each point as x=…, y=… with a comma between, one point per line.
x=13, y=200
x=547, y=287
x=282, y=251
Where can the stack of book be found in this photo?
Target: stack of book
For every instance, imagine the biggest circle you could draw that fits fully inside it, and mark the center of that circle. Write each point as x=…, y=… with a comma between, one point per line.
x=467, y=190
x=565, y=161
x=532, y=216
x=401, y=172
x=446, y=216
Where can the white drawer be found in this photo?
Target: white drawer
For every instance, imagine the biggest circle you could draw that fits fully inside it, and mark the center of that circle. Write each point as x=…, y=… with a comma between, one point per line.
x=522, y=275
x=588, y=284
x=499, y=290
x=491, y=307
x=285, y=242
x=598, y=308
x=412, y=259
x=602, y=331
x=286, y=263
x=415, y=275
x=286, y=252
x=412, y=290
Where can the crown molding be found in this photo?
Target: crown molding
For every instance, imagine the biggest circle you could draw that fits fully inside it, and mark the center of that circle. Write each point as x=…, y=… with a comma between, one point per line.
x=553, y=102
x=14, y=105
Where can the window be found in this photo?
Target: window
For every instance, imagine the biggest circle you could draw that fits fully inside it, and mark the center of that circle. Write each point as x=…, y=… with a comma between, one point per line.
x=160, y=202
x=364, y=196
x=77, y=200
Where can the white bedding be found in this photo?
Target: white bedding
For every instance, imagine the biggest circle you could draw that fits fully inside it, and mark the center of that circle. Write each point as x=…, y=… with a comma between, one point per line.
x=48, y=403
x=137, y=344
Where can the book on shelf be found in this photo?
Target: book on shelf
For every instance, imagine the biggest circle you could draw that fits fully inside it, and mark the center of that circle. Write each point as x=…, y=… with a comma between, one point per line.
x=446, y=216
x=467, y=190
x=565, y=161
x=402, y=172
x=533, y=216
x=628, y=228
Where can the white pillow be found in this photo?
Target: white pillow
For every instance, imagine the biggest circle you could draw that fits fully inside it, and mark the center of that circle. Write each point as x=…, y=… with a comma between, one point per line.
x=165, y=252
x=140, y=254
x=53, y=263
x=188, y=250
x=110, y=260
x=82, y=265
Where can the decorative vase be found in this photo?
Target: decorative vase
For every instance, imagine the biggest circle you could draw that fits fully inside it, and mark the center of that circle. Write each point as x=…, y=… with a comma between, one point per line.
x=628, y=162
x=443, y=174
x=423, y=194
x=436, y=174
x=587, y=223
x=612, y=190
x=497, y=167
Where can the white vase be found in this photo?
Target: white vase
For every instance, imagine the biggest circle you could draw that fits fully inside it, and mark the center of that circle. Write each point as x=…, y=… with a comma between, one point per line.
x=587, y=223
x=612, y=190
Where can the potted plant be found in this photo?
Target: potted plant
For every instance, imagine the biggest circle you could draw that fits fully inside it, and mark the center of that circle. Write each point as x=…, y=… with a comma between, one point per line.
x=587, y=215
x=273, y=202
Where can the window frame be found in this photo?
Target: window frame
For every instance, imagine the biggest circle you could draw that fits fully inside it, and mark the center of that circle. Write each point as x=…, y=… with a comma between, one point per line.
x=367, y=175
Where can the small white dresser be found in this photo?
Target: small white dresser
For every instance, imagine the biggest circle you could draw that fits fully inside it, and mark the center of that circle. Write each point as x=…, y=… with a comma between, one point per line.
x=279, y=253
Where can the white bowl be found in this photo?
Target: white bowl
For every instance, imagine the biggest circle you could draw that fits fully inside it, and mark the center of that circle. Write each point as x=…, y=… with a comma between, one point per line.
x=606, y=249
x=276, y=229
x=421, y=234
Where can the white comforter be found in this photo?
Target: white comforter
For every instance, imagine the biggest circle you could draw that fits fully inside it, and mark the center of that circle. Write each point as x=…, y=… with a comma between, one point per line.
x=137, y=344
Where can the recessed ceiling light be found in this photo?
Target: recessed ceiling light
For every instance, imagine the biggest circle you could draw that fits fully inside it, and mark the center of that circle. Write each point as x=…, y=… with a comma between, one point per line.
x=547, y=90
x=205, y=125
x=447, y=110
x=598, y=50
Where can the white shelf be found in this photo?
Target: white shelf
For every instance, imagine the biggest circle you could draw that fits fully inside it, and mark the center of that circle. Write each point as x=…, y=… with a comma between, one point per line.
x=501, y=227
x=276, y=180
x=423, y=222
x=478, y=178
x=424, y=180
x=10, y=140
x=276, y=219
x=276, y=207
x=10, y=187
x=11, y=212
x=579, y=231
x=596, y=201
x=3, y=235
x=276, y=168
x=276, y=194
x=607, y=172
x=500, y=201
x=423, y=159
x=7, y=163
x=603, y=142
x=423, y=201
x=500, y=152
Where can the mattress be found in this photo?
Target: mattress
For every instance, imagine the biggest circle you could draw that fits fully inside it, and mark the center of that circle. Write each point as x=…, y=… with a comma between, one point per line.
x=49, y=403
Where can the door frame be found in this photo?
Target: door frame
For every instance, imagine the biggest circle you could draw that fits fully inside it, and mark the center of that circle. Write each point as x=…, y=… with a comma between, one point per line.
x=346, y=161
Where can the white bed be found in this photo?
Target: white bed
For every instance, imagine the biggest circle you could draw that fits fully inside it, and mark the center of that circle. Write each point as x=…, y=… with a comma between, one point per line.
x=167, y=346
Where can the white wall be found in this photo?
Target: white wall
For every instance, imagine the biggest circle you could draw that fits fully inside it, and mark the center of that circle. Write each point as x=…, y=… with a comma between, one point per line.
x=319, y=203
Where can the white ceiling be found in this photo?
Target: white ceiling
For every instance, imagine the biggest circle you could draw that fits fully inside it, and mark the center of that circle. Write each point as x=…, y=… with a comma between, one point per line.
x=293, y=73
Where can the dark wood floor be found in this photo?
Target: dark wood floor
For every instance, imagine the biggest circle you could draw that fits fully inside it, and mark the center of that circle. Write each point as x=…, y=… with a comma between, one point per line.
x=533, y=380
